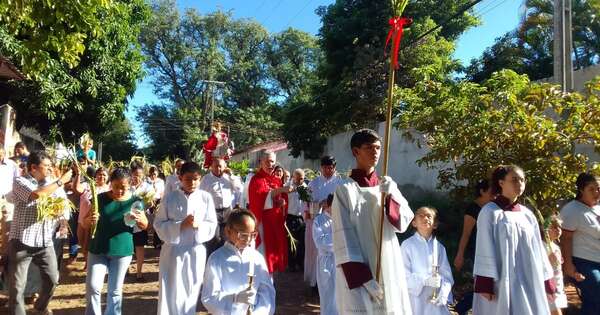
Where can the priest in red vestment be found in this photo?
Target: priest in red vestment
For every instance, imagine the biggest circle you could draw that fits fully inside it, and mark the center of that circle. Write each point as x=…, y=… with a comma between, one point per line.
x=267, y=199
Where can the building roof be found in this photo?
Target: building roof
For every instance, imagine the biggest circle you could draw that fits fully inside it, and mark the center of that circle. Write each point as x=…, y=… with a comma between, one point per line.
x=8, y=71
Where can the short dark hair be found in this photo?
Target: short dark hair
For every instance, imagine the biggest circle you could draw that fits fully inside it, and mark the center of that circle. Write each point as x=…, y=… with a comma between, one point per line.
x=119, y=173
x=237, y=217
x=190, y=167
x=36, y=158
x=482, y=184
x=328, y=160
x=100, y=169
x=500, y=173
x=135, y=166
x=153, y=169
x=583, y=180
x=20, y=145
x=363, y=136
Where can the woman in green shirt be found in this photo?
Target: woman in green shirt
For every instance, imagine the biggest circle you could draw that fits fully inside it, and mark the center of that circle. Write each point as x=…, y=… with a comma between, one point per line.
x=111, y=247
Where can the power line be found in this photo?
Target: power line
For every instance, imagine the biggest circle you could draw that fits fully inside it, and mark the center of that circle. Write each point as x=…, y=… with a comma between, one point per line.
x=297, y=14
x=460, y=12
x=263, y=22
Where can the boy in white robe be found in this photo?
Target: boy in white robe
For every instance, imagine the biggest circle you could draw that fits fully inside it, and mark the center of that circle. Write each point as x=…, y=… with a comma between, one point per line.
x=421, y=252
x=185, y=221
x=322, y=234
x=356, y=213
x=513, y=275
x=227, y=288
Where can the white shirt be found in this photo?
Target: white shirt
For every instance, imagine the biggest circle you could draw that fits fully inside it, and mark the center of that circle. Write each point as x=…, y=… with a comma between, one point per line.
x=8, y=171
x=418, y=263
x=226, y=275
x=172, y=183
x=158, y=186
x=320, y=188
x=585, y=223
x=295, y=205
x=220, y=188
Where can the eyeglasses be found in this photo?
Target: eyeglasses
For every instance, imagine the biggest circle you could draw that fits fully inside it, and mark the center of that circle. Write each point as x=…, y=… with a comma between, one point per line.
x=244, y=236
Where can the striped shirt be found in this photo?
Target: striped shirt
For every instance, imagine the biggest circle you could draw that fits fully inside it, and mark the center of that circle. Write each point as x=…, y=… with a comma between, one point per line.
x=25, y=226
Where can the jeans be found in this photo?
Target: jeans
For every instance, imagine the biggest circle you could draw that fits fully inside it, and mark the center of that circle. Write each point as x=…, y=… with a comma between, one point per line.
x=98, y=266
x=20, y=257
x=590, y=304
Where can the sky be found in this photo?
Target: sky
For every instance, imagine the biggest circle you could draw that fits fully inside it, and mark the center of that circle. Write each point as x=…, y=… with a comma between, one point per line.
x=497, y=17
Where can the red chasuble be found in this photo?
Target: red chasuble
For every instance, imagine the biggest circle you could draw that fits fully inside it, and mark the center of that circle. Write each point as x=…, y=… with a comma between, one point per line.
x=272, y=220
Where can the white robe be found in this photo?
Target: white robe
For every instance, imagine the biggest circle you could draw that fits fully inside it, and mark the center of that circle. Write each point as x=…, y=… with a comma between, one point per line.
x=418, y=253
x=356, y=215
x=509, y=249
x=227, y=274
x=320, y=188
x=182, y=256
x=322, y=229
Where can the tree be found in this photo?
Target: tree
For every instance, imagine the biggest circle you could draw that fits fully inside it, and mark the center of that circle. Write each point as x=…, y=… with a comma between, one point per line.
x=528, y=49
x=71, y=94
x=471, y=128
x=353, y=75
x=261, y=72
x=118, y=143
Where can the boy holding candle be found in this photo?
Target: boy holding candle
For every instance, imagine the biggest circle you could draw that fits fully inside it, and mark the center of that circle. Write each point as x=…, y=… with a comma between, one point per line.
x=237, y=280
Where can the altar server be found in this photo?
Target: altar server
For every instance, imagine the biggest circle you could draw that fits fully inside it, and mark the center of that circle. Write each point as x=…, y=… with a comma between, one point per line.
x=356, y=213
x=185, y=221
x=237, y=280
x=323, y=238
x=429, y=277
x=512, y=272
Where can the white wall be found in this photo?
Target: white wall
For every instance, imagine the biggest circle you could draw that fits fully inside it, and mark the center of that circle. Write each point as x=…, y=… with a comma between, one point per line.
x=402, y=165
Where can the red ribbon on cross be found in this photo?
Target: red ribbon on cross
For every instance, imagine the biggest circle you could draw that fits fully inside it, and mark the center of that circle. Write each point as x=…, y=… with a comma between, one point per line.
x=397, y=25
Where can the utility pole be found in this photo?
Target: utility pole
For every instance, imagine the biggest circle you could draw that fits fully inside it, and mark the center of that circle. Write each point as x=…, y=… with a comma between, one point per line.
x=209, y=109
x=563, y=43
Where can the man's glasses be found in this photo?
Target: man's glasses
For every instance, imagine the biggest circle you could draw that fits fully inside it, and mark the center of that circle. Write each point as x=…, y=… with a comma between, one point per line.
x=244, y=236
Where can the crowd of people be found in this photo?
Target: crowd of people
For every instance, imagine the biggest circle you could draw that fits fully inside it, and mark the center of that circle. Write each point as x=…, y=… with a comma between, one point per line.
x=222, y=238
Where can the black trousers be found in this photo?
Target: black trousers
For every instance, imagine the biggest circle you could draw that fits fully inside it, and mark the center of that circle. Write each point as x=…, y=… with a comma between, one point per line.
x=219, y=239
x=297, y=227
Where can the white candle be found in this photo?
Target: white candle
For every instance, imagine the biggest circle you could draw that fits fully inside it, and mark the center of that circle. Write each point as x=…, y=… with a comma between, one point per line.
x=251, y=268
x=434, y=256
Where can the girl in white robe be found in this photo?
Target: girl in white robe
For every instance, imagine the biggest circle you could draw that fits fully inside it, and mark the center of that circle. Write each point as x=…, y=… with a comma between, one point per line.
x=185, y=221
x=227, y=288
x=512, y=272
x=421, y=252
x=322, y=233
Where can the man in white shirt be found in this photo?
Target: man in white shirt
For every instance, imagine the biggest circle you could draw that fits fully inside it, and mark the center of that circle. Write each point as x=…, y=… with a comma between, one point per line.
x=321, y=187
x=220, y=187
x=295, y=222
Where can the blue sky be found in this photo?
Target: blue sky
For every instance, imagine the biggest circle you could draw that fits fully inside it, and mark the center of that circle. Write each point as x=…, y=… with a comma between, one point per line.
x=497, y=16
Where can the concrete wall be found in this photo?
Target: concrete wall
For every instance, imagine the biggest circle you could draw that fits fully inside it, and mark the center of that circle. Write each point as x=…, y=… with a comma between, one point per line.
x=580, y=77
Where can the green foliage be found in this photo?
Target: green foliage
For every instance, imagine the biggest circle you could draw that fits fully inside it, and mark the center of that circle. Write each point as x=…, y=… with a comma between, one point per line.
x=239, y=168
x=117, y=141
x=528, y=49
x=353, y=74
x=471, y=128
x=82, y=60
x=41, y=30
